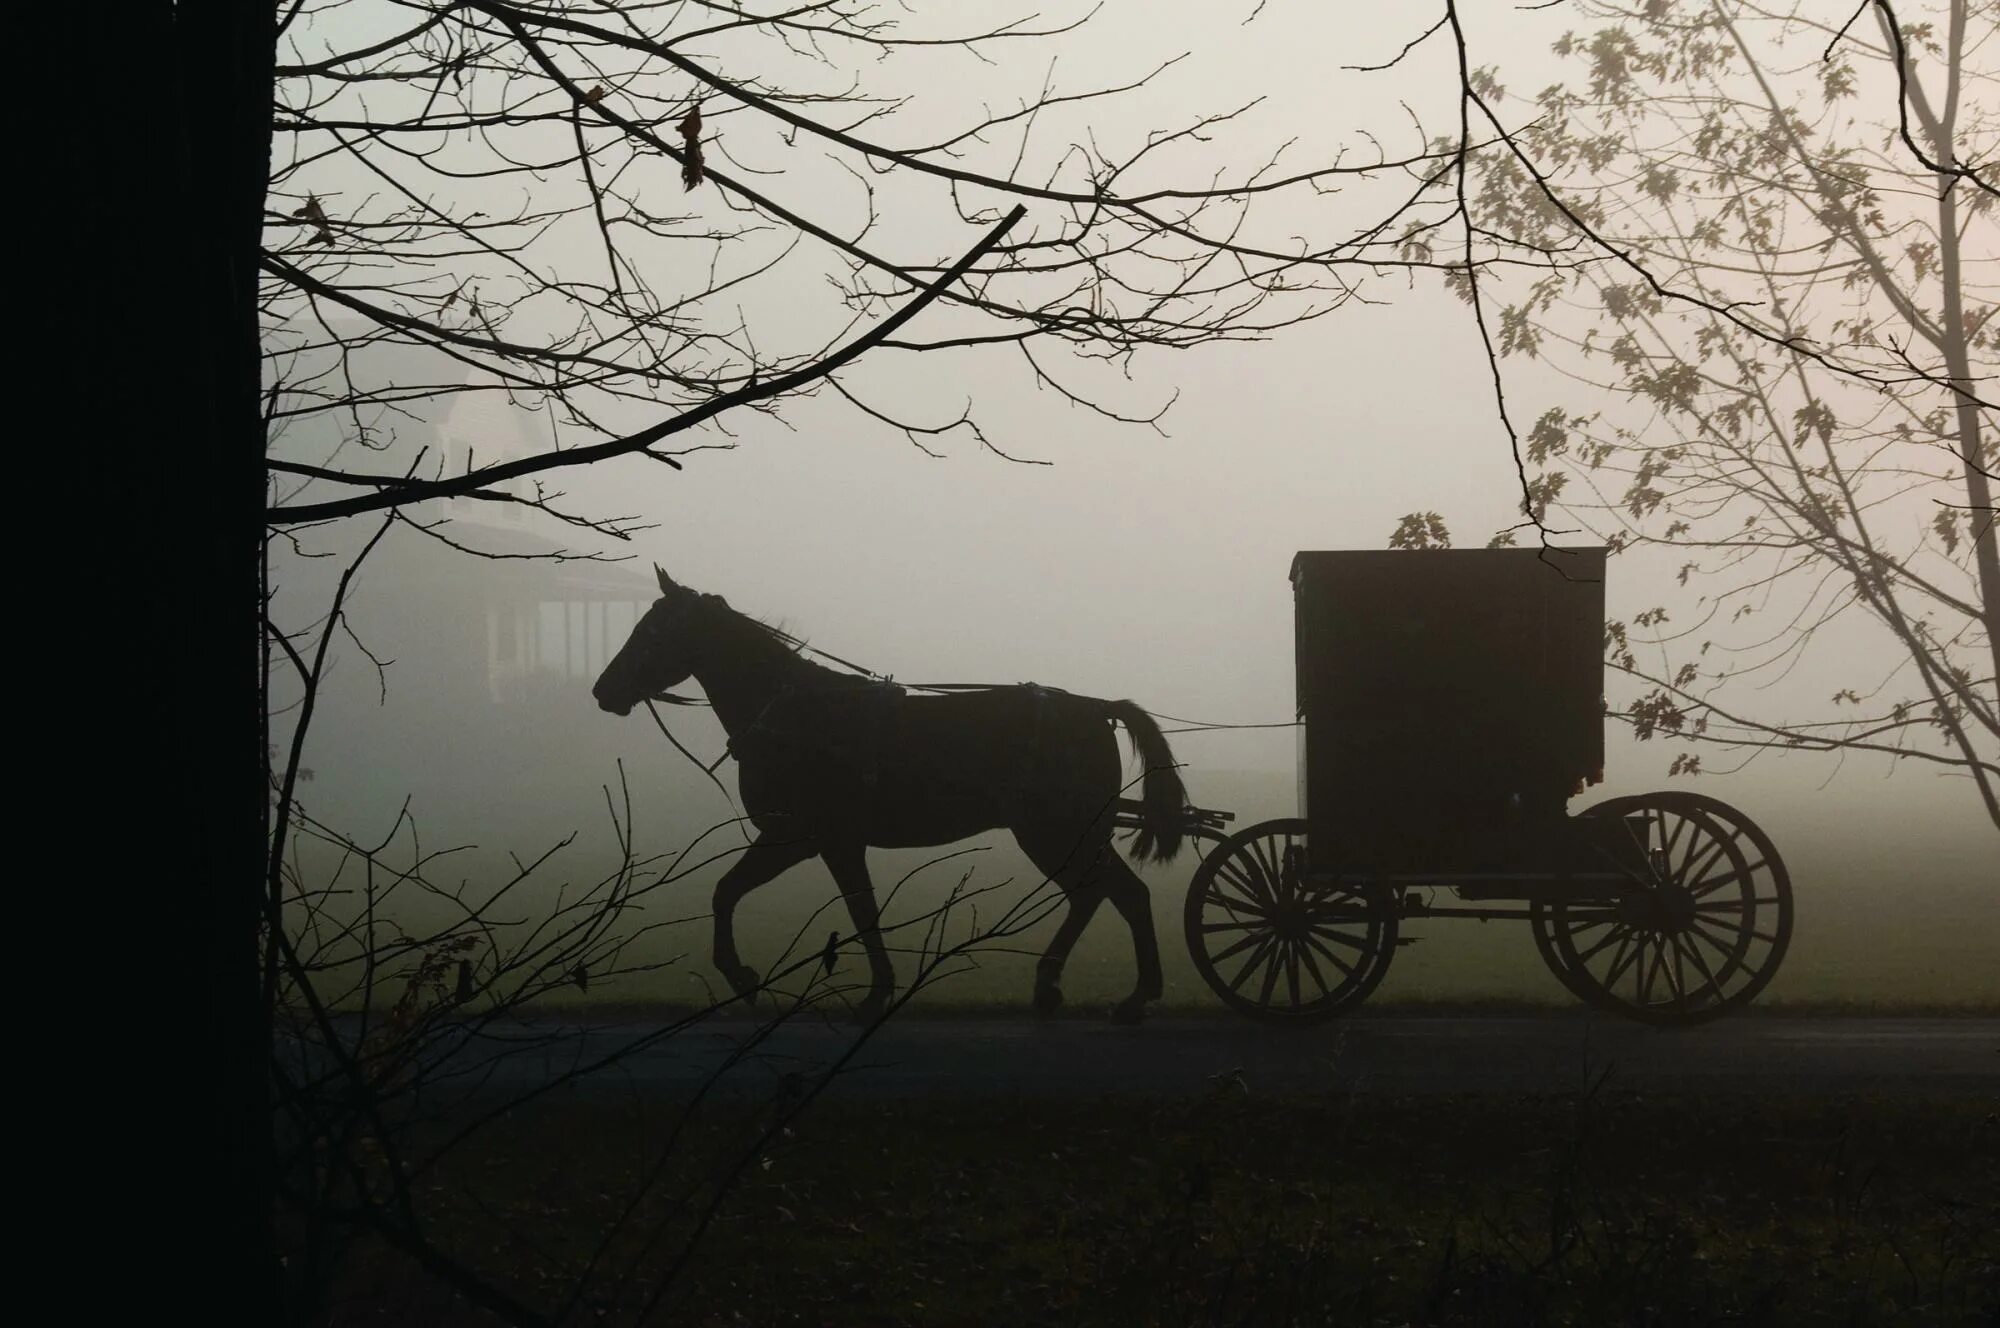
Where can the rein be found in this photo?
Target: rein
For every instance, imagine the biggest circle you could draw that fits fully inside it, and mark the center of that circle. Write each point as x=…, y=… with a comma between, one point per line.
x=936, y=688
x=694, y=760
x=809, y=648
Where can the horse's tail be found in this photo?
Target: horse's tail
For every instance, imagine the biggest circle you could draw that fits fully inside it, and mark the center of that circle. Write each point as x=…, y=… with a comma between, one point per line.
x=1163, y=797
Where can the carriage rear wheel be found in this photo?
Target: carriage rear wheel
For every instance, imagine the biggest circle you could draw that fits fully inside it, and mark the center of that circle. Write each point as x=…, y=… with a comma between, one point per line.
x=1276, y=946
x=1703, y=935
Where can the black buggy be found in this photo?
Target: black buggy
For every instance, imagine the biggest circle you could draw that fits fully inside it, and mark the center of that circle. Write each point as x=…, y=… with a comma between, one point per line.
x=1452, y=705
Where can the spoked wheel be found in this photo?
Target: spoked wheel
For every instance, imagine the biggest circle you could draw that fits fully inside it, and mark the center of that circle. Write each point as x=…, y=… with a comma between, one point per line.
x=1703, y=935
x=1272, y=945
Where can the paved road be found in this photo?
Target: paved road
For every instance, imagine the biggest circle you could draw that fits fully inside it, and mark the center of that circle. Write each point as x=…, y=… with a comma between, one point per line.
x=1389, y=1055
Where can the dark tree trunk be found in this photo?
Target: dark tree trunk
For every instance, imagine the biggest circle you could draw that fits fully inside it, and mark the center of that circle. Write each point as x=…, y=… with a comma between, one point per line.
x=175, y=170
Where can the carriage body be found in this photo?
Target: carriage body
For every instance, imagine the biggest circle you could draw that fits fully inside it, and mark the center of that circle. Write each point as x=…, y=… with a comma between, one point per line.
x=1451, y=705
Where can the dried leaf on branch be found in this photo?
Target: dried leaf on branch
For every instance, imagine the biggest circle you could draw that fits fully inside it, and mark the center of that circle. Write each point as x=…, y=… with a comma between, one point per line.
x=693, y=168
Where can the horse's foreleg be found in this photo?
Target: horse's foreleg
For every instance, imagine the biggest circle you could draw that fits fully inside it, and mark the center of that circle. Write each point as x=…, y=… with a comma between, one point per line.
x=761, y=862
x=849, y=865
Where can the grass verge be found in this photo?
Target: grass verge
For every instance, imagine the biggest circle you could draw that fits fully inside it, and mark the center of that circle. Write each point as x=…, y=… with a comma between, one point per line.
x=1589, y=1207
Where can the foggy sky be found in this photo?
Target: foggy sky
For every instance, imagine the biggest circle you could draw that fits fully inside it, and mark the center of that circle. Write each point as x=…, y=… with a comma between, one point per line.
x=1140, y=563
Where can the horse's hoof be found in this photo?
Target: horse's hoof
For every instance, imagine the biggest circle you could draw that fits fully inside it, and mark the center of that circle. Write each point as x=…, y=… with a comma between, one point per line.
x=1048, y=1000
x=743, y=980
x=1132, y=1011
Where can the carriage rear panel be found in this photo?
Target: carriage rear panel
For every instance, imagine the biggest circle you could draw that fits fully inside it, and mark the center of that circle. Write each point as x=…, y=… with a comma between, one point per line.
x=1452, y=704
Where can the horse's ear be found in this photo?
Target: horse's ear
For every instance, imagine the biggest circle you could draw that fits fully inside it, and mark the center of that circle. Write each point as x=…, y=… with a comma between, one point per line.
x=667, y=586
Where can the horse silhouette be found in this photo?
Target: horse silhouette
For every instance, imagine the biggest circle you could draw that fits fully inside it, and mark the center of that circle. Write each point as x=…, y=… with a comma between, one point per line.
x=831, y=765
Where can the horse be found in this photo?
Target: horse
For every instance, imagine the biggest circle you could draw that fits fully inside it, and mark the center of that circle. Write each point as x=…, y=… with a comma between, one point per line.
x=831, y=765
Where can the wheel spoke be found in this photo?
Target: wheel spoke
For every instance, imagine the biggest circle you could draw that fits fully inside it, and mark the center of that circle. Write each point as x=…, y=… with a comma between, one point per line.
x=1690, y=873
x=1253, y=886
x=1305, y=956
x=1271, y=871
x=1328, y=933
x=1713, y=884
x=1331, y=957
x=1714, y=982
x=1737, y=905
x=1642, y=982
x=1657, y=970
x=1619, y=932
x=1235, y=904
x=1281, y=867
x=1765, y=937
x=1256, y=939
x=1729, y=953
x=1264, y=944
x=1253, y=853
x=1667, y=848
x=1270, y=975
x=1622, y=959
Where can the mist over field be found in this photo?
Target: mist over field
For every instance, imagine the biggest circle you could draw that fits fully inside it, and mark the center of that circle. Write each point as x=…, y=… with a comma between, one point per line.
x=1893, y=867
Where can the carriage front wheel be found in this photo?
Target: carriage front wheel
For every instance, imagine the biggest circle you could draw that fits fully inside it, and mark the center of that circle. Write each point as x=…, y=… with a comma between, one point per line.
x=1276, y=945
x=1701, y=935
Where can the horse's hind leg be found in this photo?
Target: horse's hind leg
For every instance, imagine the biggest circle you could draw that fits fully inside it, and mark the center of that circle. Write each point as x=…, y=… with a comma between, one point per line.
x=1134, y=902
x=1092, y=874
x=1048, y=969
x=849, y=865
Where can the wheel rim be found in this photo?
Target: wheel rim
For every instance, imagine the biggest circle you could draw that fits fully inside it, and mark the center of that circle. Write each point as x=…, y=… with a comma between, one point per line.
x=1702, y=934
x=1269, y=943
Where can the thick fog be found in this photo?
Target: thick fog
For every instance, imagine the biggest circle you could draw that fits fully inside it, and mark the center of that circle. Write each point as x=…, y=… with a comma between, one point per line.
x=1111, y=559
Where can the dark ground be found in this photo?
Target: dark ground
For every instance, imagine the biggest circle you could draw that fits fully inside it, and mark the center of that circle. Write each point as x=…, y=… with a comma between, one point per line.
x=1391, y=1170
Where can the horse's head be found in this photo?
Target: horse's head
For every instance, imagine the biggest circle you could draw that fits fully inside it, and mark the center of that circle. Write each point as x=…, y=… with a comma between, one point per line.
x=659, y=654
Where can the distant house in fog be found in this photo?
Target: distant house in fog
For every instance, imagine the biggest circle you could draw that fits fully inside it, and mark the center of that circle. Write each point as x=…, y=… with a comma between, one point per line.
x=495, y=631
x=487, y=719
x=542, y=624
x=521, y=629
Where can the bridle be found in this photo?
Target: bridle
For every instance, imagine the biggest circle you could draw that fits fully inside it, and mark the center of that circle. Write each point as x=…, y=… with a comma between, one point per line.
x=694, y=760
x=675, y=625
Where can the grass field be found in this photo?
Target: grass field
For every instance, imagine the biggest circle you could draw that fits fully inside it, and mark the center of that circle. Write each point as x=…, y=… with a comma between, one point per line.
x=1877, y=928
x=1580, y=1208
x=1897, y=896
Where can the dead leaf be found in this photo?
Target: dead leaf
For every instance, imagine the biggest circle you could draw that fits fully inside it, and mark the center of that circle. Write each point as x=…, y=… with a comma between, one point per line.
x=313, y=213
x=693, y=168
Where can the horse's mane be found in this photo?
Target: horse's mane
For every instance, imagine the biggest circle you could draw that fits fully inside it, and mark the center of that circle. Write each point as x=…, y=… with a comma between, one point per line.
x=777, y=634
